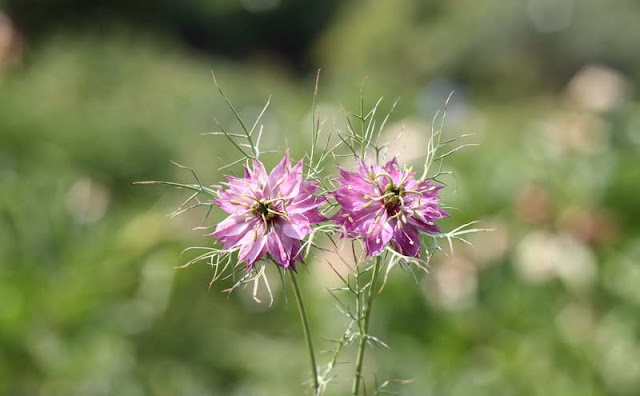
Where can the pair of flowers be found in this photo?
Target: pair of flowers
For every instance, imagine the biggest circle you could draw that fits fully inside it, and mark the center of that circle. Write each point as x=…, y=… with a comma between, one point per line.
x=272, y=213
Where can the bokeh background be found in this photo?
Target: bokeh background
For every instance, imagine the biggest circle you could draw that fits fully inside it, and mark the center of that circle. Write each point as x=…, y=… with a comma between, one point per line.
x=97, y=94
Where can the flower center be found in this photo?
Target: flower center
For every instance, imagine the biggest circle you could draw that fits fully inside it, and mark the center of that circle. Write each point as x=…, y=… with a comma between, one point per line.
x=264, y=209
x=392, y=195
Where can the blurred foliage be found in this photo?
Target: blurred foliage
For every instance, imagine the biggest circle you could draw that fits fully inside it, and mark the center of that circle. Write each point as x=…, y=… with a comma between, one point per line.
x=545, y=304
x=499, y=48
x=242, y=29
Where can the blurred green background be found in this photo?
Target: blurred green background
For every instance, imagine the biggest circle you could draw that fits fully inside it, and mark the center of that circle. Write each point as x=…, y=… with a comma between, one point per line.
x=96, y=95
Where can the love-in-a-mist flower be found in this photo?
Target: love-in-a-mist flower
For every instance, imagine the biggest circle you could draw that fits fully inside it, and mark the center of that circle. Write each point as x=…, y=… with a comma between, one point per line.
x=269, y=213
x=383, y=204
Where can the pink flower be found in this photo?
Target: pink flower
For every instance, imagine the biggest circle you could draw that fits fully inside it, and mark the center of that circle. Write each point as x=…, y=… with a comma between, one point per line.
x=383, y=204
x=268, y=213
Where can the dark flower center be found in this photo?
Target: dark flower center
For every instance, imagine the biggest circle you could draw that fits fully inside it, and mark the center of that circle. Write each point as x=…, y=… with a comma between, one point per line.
x=264, y=209
x=392, y=195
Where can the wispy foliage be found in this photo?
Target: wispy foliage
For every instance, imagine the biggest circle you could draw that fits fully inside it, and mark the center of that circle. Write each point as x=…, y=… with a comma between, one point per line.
x=368, y=269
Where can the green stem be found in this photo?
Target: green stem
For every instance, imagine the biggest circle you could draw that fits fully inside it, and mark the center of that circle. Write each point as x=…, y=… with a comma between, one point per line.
x=363, y=123
x=305, y=328
x=364, y=329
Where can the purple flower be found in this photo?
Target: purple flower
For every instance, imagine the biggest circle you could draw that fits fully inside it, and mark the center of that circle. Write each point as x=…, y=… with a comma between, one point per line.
x=383, y=204
x=268, y=213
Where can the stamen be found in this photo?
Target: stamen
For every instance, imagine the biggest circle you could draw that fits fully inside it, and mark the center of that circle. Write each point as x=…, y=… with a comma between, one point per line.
x=250, y=197
x=418, y=193
x=395, y=215
x=244, y=212
x=385, y=174
x=375, y=223
x=276, y=213
x=386, y=195
x=266, y=209
x=413, y=192
x=279, y=182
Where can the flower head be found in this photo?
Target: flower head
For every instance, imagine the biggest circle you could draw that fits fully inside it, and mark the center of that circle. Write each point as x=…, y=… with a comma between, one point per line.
x=383, y=204
x=269, y=213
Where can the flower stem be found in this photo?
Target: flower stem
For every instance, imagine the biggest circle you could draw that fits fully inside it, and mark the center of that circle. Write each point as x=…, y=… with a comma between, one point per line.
x=364, y=329
x=305, y=328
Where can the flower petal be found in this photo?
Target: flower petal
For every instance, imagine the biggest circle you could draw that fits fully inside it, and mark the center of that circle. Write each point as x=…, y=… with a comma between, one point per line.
x=297, y=227
x=365, y=215
x=252, y=248
x=233, y=225
x=279, y=172
x=276, y=249
x=406, y=240
x=379, y=236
